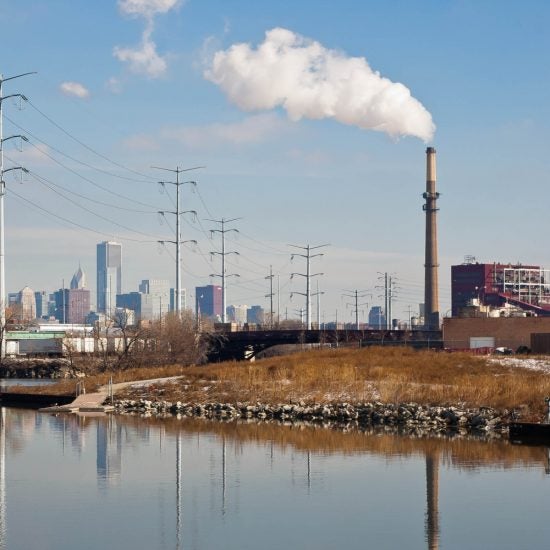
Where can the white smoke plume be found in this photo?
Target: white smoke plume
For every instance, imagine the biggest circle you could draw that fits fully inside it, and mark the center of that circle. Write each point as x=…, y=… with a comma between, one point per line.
x=311, y=81
x=146, y=8
x=144, y=59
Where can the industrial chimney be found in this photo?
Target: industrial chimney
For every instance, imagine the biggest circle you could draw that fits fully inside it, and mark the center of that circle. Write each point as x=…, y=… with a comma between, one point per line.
x=431, y=284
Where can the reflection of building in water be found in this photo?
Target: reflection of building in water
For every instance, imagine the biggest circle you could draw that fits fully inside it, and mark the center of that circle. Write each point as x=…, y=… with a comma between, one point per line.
x=432, y=494
x=109, y=452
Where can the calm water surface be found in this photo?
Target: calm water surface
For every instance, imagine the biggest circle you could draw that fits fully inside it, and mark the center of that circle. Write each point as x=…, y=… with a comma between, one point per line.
x=79, y=482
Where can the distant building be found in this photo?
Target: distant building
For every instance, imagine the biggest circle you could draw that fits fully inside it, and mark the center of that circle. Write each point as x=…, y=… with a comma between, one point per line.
x=42, y=304
x=208, y=301
x=72, y=305
x=125, y=317
x=27, y=304
x=173, y=299
x=255, y=315
x=146, y=307
x=237, y=314
x=157, y=302
x=496, y=284
x=377, y=318
x=130, y=300
x=109, y=275
x=79, y=279
x=94, y=318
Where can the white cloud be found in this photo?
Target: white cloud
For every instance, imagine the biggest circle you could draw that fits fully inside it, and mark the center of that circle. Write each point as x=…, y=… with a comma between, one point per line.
x=114, y=85
x=146, y=8
x=143, y=59
x=311, y=81
x=75, y=89
x=253, y=129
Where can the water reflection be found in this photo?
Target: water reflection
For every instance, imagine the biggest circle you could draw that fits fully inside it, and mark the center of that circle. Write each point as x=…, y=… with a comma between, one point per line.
x=109, y=451
x=228, y=477
x=432, y=494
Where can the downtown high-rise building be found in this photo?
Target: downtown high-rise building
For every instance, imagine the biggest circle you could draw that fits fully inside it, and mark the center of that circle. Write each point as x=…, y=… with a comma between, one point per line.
x=208, y=301
x=109, y=276
x=156, y=298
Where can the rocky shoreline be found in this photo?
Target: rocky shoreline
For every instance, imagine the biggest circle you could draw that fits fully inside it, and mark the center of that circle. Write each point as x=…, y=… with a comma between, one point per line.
x=38, y=368
x=407, y=417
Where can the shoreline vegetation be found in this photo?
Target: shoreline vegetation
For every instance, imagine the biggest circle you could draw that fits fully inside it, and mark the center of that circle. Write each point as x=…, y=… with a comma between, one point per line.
x=377, y=376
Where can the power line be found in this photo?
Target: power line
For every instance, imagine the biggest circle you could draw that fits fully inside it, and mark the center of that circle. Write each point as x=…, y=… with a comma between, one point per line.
x=103, y=171
x=122, y=226
x=67, y=133
x=71, y=222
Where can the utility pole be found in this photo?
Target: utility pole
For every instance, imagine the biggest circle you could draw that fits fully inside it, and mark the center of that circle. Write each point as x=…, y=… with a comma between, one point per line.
x=318, y=294
x=357, y=295
x=391, y=296
x=308, y=256
x=385, y=287
x=223, y=254
x=178, y=242
x=278, y=301
x=2, y=194
x=270, y=295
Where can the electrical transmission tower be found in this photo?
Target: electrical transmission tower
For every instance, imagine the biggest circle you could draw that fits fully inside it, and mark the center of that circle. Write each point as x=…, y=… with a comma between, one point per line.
x=308, y=256
x=178, y=242
x=223, y=254
x=357, y=295
x=2, y=194
x=270, y=295
x=389, y=295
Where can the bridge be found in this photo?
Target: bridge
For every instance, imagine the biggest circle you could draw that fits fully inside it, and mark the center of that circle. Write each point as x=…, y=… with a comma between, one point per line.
x=242, y=345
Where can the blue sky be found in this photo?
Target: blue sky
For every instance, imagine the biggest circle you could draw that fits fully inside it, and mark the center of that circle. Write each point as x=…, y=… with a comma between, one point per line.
x=480, y=69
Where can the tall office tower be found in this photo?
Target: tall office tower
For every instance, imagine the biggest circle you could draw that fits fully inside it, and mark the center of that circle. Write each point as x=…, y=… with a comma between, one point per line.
x=42, y=302
x=237, y=314
x=72, y=305
x=109, y=276
x=157, y=303
x=27, y=301
x=255, y=315
x=79, y=279
x=377, y=318
x=208, y=301
x=173, y=299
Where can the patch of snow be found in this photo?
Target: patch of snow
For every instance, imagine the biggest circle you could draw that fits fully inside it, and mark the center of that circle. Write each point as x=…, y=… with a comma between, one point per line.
x=542, y=365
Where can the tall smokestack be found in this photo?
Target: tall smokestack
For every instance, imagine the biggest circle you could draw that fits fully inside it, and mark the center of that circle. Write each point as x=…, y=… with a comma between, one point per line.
x=431, y=283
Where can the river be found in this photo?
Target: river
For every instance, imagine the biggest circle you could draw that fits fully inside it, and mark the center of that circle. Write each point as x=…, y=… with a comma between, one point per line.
x=89, y=482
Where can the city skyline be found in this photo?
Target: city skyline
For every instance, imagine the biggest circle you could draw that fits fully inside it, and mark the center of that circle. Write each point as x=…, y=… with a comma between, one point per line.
x=297, y=175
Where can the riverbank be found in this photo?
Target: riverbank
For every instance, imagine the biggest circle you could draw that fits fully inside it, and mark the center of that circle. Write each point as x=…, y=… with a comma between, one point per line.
x=405, y=418
x=437, y=386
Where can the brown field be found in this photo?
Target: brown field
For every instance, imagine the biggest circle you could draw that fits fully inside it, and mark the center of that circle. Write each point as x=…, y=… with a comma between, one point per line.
x=389, y=375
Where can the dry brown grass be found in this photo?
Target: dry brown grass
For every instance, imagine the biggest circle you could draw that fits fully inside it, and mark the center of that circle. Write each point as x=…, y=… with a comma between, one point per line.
x=384, y=374
x=354, y=375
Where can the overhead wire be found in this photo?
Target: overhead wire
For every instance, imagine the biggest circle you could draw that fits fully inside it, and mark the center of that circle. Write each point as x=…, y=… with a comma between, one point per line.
x=92, y=150
x=71, y=222
x=74, y=159
x=95, y=184
x=122, y=226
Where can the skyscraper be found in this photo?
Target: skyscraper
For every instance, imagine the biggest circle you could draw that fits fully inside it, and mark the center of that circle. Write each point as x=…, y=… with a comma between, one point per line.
x=109, y=276
x=157, y=303
x=208, y=301
x=27, y=301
